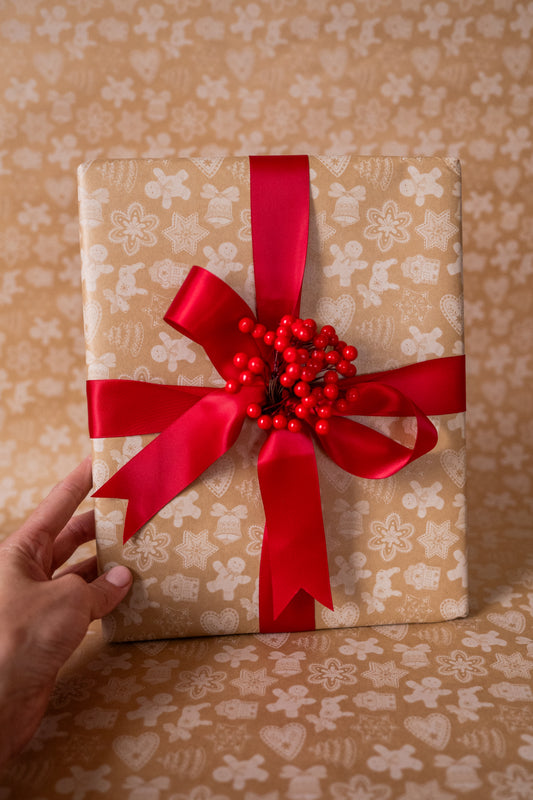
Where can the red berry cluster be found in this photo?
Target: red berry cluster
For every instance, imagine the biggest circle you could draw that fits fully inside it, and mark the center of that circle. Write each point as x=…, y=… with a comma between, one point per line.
x=301, y=378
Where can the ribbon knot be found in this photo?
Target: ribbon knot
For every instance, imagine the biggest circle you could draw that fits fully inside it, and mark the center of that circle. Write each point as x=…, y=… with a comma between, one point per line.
x=201, y=424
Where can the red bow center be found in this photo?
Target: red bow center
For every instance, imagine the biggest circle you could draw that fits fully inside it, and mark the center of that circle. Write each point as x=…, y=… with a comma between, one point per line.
x=303, y=373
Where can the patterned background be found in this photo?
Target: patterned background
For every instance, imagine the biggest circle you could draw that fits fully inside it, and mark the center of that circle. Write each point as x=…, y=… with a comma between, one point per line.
x=438, y=711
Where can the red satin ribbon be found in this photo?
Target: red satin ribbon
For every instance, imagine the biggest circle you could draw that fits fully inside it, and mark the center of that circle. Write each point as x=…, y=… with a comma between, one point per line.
x=197, y=426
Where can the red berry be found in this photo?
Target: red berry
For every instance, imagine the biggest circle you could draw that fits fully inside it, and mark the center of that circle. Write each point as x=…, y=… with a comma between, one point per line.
x=352, y=395
x=265, y=422
x=331, y=391
x=311, y=324
x=256, y=365
x=302, y=355
x=343, y=367
x=246, y=325
x=322, y=427
x=259, y=331
x=301, y=411
x=332, y=357
x=246, y=377
x=287, y=380
x=340, y=346
x=327, y=330
x=334, y=340
x=341, y=406
x=240, y=360
x=309, y=401
x=254, y=410
x=308, y=374
x=232, y=386
x=269, y=338
x=349, y=352
x=314, y=364
x=279, y=422
x=301, y=389
x=325, y=411
x=331, y=377
x=295, y=426
x=320, y=341
x=289, y=354
x=283, y=330
x=281, y=343
x=305, y=334
x=288, y=319
x=318, y=393
x=294, y=371
x=296, y=325
x=351, y=371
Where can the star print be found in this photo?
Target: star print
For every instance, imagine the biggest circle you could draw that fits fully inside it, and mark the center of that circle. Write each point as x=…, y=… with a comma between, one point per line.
x=228, y=737
x=437, y=539
x=253, y=682
x=196, y=549
x=413, y=305
x=437, y=229
x=157, y=309
x=513, y=666
x=415, y=607
x=387, y=674
x=323, y=232
x=185, y=233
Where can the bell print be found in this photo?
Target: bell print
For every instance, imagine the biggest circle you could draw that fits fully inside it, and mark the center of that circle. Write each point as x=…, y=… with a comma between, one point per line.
x=228, y=528
x=346, y=210
x=219, y=209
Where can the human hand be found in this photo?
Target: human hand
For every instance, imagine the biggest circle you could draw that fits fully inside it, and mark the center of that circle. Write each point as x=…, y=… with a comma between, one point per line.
x=44, y=619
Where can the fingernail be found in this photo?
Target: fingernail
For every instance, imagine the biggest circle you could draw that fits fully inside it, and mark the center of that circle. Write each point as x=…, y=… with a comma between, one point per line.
x=118, y=576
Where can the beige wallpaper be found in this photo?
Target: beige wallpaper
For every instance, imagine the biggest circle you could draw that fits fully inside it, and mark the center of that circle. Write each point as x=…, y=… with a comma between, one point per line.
x=438, y=710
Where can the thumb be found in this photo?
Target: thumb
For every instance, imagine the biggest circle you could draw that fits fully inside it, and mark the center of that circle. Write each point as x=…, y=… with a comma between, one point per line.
x=108, y=590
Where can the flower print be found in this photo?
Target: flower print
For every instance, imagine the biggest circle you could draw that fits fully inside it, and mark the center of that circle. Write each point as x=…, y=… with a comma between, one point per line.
x=200, y=681
x=133, y=228
x=387, y=225
x=391, y=537
x=147, y=547
x=332, y=674
x=461, y=666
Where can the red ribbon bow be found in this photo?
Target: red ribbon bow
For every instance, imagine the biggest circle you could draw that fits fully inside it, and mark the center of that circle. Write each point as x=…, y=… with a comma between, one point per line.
x=198, y=425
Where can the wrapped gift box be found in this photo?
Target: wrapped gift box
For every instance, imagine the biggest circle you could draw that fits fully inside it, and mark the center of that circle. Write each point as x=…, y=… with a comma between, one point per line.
x=383, y=266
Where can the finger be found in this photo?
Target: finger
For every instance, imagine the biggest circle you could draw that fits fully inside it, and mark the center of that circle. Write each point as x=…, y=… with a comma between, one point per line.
x=108, y=590
x=86, y=569
x=51, y=516
x=77, y=531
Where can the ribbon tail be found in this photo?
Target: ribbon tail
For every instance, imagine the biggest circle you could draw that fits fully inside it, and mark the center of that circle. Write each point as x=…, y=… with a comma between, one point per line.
x=296, y=542
x=299, y=615
x=177, y=456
